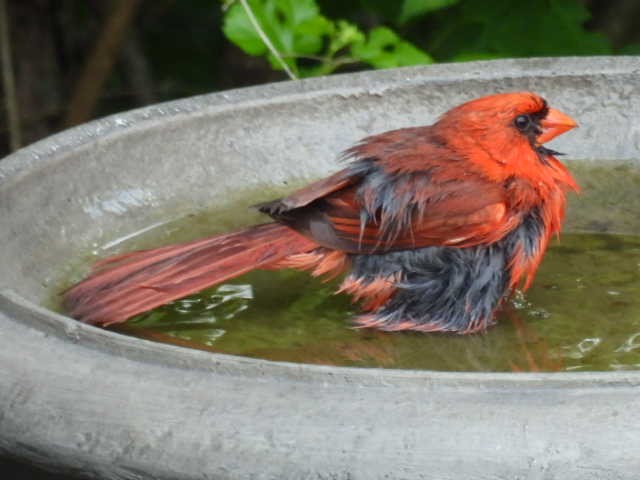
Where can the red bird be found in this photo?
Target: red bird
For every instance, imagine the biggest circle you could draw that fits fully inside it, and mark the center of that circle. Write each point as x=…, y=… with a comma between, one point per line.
x=436, y=225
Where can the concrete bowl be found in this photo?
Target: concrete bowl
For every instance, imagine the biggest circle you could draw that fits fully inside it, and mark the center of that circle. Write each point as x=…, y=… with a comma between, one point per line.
x=79, y=399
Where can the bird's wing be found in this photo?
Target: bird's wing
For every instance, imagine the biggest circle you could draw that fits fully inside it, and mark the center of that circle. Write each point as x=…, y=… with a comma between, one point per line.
x=310, y=193
x=408, y=192
x=461, y=214
x=371, y=148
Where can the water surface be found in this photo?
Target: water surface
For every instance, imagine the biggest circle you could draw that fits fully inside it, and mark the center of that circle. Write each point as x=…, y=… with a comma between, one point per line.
x=582, y=313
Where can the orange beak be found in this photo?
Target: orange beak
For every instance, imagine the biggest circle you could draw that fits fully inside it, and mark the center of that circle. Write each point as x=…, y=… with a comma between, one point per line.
x=554, y=124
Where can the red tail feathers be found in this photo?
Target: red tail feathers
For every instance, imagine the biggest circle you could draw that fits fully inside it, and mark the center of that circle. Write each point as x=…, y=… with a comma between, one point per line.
x=126, y=285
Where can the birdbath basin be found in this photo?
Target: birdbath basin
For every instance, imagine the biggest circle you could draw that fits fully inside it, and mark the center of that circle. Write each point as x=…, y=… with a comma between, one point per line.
x=80, y=399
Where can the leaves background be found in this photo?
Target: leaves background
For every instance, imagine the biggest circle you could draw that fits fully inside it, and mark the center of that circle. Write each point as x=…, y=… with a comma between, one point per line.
x=458, y=30
x=177, y=48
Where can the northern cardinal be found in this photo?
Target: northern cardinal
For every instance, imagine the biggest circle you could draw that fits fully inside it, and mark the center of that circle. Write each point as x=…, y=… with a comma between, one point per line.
x=435, y=225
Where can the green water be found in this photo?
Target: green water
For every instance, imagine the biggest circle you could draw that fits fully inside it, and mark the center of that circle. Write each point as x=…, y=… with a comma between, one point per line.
x=582, y=313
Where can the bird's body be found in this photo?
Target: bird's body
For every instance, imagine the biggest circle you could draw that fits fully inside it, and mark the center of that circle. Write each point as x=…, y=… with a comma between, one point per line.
x=435, y=224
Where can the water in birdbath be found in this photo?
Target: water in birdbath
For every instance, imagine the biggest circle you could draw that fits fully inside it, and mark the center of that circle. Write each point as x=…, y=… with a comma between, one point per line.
x=582, y=312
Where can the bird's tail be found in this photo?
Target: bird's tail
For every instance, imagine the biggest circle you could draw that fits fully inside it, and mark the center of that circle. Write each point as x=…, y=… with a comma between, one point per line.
x=125, y=285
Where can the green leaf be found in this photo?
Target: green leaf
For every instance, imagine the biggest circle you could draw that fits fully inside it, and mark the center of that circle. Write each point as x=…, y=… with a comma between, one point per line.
x=238, y=28
x=309, y=35
x=298, y=30
x=294, y=27
x=416, y=8
x=343, y=35
x=384, y=49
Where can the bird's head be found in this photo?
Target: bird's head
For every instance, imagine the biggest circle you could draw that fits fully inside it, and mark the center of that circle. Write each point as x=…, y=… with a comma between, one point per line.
x=504, y=133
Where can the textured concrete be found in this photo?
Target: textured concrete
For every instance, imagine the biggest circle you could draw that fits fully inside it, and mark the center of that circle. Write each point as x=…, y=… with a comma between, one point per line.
x=86, y=400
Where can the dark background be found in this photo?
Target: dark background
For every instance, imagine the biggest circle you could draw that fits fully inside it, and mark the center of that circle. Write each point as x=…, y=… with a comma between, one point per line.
x=155, y=50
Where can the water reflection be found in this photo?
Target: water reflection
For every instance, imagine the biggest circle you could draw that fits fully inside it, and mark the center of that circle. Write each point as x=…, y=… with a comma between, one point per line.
x=535, y=354
x=569, y=320
x=632, y=343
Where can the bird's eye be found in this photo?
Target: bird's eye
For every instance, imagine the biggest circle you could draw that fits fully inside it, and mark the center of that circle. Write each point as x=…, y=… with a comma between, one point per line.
x=522, y=121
